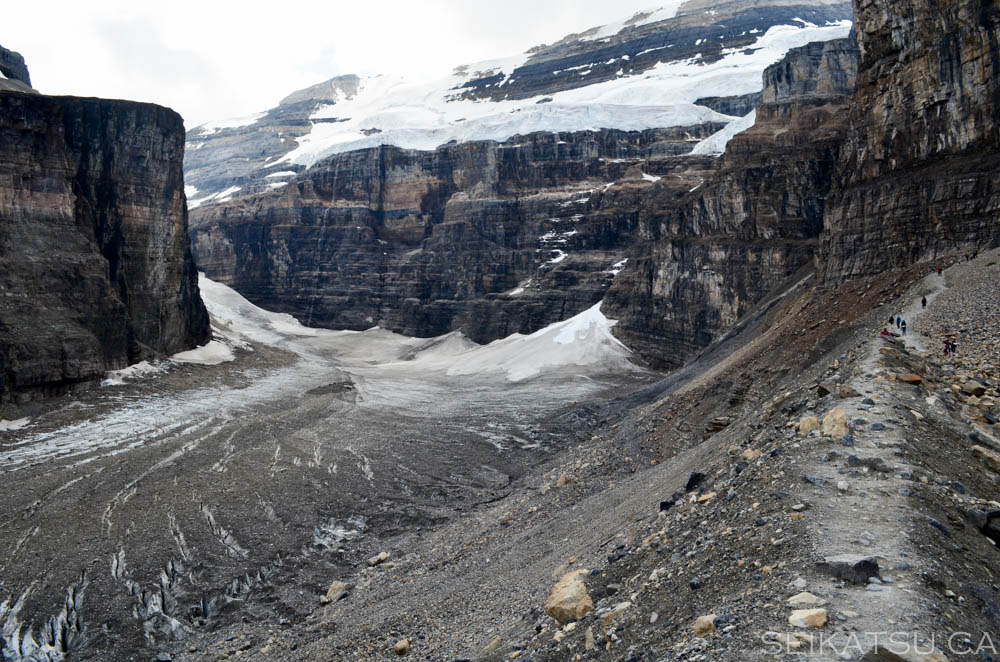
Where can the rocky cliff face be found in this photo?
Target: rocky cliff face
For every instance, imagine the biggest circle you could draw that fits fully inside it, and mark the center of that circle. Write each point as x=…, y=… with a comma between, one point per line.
x=714, y=252
x=492, y=238
x=920, y=171
x=506, y=234
x=13, y=72
x=95, y=262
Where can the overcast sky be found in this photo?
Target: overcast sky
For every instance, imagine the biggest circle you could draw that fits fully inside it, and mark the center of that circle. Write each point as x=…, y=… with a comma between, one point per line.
x=211, y=60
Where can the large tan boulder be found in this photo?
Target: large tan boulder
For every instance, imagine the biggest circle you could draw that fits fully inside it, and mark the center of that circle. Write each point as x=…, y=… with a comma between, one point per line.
x=337, y=591
x=807, y=424
x=569, y=599
x=835, y=423
x=704, y=625
x=808, y=618
x=974, y=388
x=805, y=600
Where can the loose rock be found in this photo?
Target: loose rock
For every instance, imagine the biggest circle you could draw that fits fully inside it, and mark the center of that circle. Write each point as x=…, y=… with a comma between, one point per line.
x=808, y=618
x=569, y=599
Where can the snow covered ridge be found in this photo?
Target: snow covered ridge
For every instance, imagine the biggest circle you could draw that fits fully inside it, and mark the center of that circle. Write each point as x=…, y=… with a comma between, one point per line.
x=393, y=111
x=389, y=111
x=642, y=18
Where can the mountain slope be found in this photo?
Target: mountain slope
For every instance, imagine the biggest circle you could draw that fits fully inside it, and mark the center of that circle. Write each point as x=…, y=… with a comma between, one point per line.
x=645, y=72
x=523, y=218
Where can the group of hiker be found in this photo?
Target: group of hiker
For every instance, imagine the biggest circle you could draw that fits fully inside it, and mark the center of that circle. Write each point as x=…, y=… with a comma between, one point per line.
x=900, y=323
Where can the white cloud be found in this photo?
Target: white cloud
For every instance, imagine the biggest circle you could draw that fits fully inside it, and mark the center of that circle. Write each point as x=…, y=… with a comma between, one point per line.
x=210, y=60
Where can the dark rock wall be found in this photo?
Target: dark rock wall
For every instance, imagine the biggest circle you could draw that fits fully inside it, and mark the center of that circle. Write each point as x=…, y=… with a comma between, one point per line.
x=95, y=262
x=428, y=242
x=12, y=66
x=713, y=253
x=14, y=70
x=920, y=170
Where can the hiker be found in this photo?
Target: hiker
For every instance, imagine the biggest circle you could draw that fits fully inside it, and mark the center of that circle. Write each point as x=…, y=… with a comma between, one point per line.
x=939, y=271
x=924, y=302
x=885, y=332
x=898, y=320
x=903, y=327
x=891, y=320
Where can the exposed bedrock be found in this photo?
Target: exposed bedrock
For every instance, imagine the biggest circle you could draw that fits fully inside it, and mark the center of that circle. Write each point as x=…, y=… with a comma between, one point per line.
x=490, y=238
x=13, y=72
x=714, y=252
x=920, y=170
x=95, y=261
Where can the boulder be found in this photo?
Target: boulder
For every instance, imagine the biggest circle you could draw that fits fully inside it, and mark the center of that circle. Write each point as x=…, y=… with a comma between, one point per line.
x=378, y=559
x=402, y=647
x=807, y=424
x=910, y=378
x=805, y=599
x=974, y=388
x=704, y=625
x=808, y=618
x=850, y=568
x=338, y=590
x=569, y=599
x=835, y=423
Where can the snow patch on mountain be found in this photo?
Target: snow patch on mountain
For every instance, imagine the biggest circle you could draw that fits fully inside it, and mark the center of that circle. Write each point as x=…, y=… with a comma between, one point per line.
x=230, y=123
x=642, y=18
x=581, y=345
x=715, y=144
x=221, y=196
x=581, y=342
x=392, y=111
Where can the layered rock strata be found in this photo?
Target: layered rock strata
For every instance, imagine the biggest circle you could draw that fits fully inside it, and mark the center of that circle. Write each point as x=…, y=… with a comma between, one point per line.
x=712, y=254
x=95, y=263
x=919, y=174
x=490, y=238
